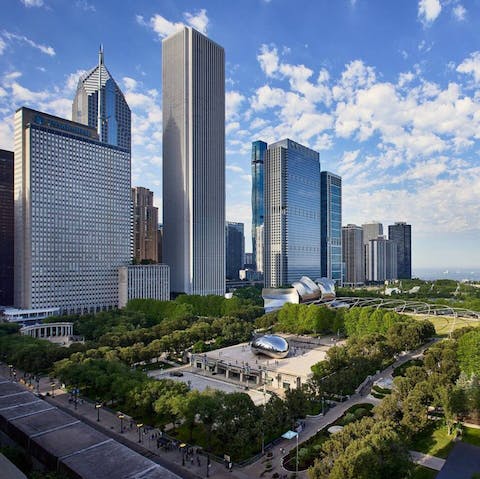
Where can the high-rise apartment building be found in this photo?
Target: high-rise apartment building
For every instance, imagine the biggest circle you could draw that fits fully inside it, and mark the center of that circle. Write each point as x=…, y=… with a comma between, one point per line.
x=100, y=103
x=145, y=225
x=292, y=213
x=6, y=228
x=353, y=254
x=235, y=249
x=401, y=233
x=72, y=215
x=382, y=259
x=370, y=231
x=194, y=162
x=331, y=226
x=258, y=158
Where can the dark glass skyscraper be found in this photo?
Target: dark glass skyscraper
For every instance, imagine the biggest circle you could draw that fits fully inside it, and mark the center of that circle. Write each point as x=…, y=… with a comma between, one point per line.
x=331, y=225
x=6, y=228
x=235, y=249
x=258, y=157
x=100, y=103
x=401, y=233
x=292, y=213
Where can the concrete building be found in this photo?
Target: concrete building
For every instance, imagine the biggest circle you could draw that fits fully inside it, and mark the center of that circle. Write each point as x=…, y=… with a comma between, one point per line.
x=160, y=244
x=382, y=260
x=100, y=103
x=370, y=231
x=72, y=215
x=6, y=228
x=353, y=255
x=145, y=225
x=260, y=247
x=401, y=233
x=331, y=226
x=292, y=213
x=149, y=281
x=194, y=162
x=258, y=158
x=235, y=248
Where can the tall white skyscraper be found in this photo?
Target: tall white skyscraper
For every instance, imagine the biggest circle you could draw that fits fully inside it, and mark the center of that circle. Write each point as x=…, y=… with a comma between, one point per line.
x=72, y=215
x=194, y=162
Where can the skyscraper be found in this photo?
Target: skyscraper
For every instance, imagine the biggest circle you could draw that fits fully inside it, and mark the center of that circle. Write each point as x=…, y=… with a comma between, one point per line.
x=382, y=259
x=100, y=103
x=292, y=213
x=72, y=215
x=194, y=162
x=331, y=226
x=401, y=233
x=258, y=157
x=145, y=225
x=6, y=228
x=370, y=231
x=353, y=254
x=235, y=249
x=260, y=243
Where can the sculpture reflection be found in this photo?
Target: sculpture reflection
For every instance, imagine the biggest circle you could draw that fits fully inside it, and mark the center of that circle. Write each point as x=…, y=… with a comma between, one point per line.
x=271, y=345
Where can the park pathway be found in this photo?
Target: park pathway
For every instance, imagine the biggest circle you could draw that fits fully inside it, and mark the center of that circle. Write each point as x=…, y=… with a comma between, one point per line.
x=432, y=462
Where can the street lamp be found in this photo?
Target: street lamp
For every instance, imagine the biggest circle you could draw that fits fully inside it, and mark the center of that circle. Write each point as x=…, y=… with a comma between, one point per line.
x=53, y=389
x=139, y=426
x=121, y=417
x=97, y=407
x=208, y=465
x=182, y=447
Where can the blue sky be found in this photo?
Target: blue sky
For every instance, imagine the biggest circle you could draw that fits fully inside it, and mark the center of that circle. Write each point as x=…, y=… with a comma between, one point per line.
x=387, y=91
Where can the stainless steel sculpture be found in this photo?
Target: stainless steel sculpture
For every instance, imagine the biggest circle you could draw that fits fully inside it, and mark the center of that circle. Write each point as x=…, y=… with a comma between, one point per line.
x=271, y=345
x=307, y=289
x=327, y=288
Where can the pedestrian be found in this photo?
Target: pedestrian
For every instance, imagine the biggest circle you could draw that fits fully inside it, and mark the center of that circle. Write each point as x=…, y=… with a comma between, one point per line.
x=198, y=461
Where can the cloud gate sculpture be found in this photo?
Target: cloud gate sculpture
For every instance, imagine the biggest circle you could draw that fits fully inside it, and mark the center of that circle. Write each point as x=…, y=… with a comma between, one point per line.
x=271, y=345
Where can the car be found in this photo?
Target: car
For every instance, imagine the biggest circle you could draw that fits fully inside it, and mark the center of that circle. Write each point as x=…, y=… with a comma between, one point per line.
x=177, y=374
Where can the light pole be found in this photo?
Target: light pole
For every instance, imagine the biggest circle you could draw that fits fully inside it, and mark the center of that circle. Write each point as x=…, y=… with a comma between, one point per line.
x=97, y=407
x=139, y=426
x=53, y=389
x=121, y=417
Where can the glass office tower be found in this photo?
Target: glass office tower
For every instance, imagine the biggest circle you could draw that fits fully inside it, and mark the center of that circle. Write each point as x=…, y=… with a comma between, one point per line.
x=292, y=213
x=258, y=157
x=100, y=103
x=401, y=233
x=235, y=249
x=331, y=226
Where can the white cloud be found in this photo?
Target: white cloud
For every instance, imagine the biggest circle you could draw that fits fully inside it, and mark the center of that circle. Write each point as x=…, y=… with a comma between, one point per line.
x=459, y=13
x=3, y=45
x=268, y=59
x=33, y=3
x=428, y=11
x=163, y=27
x=235, y=169
x=471, y=66
x=233, y=102
x=23, y=39
x=72, y=80
x=84, y=5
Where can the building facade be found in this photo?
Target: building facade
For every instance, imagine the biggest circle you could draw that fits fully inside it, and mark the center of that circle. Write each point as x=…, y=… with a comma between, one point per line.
x=145, y=225
x=143, y=281
x=194, y=162
x=292, y=213
x=331, y=226
x=370, y=231
x=235, y=249
x=382, y=260
x=160, y=244
x=100, y=103
x=72, y=215
x=401, y=233
x=258, y=158
x=6, y=228
x=353, y=255
x=260, y=243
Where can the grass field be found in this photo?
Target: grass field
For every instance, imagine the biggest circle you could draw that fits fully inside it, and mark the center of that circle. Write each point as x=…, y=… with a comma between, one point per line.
x=471, y=435
x=444, y=325
x=434, y=441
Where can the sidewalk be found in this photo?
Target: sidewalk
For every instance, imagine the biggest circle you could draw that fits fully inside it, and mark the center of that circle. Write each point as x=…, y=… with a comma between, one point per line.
x=426, y=460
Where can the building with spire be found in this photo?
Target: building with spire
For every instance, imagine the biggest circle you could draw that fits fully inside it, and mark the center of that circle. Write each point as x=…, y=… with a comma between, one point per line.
x=100, y=104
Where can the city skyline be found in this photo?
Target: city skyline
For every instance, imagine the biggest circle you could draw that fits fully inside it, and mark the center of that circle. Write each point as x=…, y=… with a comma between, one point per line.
x=396, y=119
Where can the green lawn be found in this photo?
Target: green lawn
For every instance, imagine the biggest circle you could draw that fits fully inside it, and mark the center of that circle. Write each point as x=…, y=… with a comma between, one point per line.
x=421, y=472
x=444, y=325
x=471, y=435
x=434, y=441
